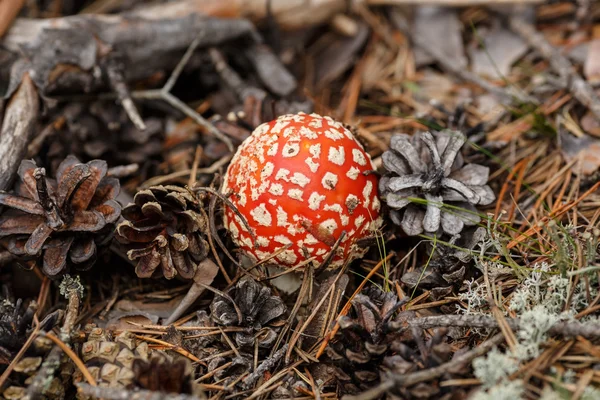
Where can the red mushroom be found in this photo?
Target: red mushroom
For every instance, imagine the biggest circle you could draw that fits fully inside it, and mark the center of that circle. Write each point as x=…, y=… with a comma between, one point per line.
x=300, y=181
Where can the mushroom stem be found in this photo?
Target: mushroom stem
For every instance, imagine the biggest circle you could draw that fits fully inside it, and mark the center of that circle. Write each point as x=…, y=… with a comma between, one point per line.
x=205, y=274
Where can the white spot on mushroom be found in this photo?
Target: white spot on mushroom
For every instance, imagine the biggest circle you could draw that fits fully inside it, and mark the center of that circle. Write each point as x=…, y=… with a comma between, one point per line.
x=329, y=225
x=353, y=173
x=367, y=193
x=310, y=239
x=336, y=156
x=267, y=170
x=273, y=149
x=239, y=223
x=314, y=201
x=246, y=241
x=282, y=217
x=312, y=165
x=358, y=157
x=307, y=132
x=272, y=202
x=279, y=125
x=320, y=252
x=351, y=203
x=295, y=194
x=287, y=256
x=262, y=241
x=333, y=207
x=235, y=232
x=261, y=254
x=333, y=134
x=329, y=180
x=376, y=206
x=345, y=219
x=317, y=122
x=261, y=215
x=359, y=221
x=300, y=179
x=283, y=174
x=315, y=150
x=293, y=230
x=276, y=189
x=290, y=149
x=242, y=199
x=282, y=239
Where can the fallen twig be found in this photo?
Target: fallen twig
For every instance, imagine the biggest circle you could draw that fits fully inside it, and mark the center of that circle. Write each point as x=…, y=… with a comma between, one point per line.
x=590, y=330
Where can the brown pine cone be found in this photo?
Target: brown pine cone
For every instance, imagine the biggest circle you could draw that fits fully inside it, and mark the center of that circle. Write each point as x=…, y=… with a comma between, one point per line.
x=62, y=221
x=164, y=226
x=363, y=341
x=110, y=360
x=260, y=311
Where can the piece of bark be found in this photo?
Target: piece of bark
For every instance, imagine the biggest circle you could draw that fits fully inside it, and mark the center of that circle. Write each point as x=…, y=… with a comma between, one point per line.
x=17, y=128
x=501, y=49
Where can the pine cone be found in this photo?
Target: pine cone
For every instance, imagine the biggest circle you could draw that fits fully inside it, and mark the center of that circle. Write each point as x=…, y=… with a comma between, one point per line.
x=61, y=221
x=363, y=341
x=428, y=185
x=448, y=265
x=15, y=321
x=164, y=226
x=260, y=313
x=110, y=360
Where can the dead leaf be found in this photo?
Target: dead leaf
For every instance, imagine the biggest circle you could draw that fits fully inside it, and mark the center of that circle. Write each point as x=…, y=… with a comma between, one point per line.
x=441, y=29
x=501, y=49
x=161, y=310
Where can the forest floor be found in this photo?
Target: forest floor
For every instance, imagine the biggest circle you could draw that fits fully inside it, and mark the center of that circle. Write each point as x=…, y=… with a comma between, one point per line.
x=500, y=301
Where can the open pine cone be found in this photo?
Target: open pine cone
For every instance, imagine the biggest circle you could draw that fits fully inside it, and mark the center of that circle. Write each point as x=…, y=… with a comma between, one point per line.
x=60, y=221
x=428, y=185
x=364, y=341
x=260, y=313
x=164, y=226
x=15, y=321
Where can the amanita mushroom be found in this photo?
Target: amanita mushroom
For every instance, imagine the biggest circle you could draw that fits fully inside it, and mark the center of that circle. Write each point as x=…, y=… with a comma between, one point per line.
x=301, y=181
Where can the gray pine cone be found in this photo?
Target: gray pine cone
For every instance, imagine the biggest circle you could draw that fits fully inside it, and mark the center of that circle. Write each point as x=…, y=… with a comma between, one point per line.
x=429, y=186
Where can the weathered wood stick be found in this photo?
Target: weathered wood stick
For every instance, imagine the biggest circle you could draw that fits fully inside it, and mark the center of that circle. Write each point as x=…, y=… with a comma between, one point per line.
x=17, y=128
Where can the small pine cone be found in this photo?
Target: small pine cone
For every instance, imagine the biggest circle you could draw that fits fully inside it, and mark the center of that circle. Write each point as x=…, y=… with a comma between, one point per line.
x=363, y=341
x=110, y=360
x=430, y=168
x=164, y=226
x=260, y=311
x=61, y=222
x=15, y=321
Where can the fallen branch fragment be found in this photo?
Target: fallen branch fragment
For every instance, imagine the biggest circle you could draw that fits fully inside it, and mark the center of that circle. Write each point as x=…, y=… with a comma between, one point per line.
x=589, y=330
x=17, y=129
x=578, y=86
x=67, y=53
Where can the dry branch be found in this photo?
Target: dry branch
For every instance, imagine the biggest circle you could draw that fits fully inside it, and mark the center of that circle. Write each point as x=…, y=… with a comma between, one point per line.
x=17, y=128
x=68, y=53
x=589, y=330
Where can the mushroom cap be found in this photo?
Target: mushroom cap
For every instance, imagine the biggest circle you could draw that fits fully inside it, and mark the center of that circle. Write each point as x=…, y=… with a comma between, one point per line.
x=300, y=181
